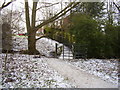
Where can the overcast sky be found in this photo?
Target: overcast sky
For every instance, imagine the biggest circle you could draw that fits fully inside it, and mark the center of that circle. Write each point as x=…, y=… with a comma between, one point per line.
x=19, y=5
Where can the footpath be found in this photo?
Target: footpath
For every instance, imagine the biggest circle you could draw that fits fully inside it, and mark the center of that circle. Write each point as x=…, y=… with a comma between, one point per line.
x=79, y=78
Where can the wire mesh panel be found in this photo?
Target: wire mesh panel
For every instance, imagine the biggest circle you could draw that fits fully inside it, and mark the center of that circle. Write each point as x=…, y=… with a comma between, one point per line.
x=67, y=52
x=71, y=51
x=79, y=51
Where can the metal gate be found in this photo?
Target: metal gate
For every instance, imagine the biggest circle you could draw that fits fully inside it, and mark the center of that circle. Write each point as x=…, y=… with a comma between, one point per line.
x=72, y=51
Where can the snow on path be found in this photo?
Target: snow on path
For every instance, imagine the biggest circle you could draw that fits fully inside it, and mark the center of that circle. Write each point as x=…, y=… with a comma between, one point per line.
x=80, y=78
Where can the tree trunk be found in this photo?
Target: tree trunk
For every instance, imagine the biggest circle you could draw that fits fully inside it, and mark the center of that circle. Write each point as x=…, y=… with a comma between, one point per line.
x=30, y=29
x=32, y=43
x=32, y=32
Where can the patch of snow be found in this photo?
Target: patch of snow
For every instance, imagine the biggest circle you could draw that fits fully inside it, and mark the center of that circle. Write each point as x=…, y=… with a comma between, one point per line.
x=106, y=69
x=19, y=43
x=45, y=46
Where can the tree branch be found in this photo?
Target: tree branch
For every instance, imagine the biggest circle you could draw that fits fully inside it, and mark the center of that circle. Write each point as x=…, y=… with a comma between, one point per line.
x=46, y=6
x=61, y=13
x=33, y=14
x=118, y=7
x=41, y=37
x=6, y=4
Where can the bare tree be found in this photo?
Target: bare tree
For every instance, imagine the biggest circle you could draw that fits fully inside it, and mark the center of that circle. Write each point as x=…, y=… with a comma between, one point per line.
x=32, y=28
x=14, y=18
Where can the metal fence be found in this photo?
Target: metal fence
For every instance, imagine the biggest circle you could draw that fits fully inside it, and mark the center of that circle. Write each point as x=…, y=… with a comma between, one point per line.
x=72, y=51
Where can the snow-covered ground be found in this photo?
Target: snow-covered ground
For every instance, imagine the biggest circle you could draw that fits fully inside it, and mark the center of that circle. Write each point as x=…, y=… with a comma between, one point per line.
x=26, y=71
x=20, y=43
x=103, y=68
x=106, y=69
x=45, y=46
x=24, y=64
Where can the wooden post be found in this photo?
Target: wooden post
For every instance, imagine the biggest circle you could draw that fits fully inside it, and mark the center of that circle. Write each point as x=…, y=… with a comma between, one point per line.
x=63, y=52
x=73, y=50
x=56, y=50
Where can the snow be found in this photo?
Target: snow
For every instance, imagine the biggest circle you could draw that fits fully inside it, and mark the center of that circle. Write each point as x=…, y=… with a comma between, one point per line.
x=67, y=54
x=20, y=43
x=103, y=68
x=45, y=46
x=28, y=71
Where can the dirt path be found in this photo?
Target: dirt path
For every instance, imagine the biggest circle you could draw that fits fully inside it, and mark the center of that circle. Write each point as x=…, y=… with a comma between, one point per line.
x=79, y=78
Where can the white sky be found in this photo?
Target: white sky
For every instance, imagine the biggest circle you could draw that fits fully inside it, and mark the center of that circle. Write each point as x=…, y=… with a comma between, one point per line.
x=19, y=5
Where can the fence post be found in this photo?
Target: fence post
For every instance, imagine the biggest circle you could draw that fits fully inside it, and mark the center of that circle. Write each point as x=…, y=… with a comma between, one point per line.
x=85, y=53
x=56, y=50
x=63, y=52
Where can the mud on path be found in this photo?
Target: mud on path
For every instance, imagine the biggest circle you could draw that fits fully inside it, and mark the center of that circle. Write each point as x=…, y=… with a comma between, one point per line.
x=78, y=77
